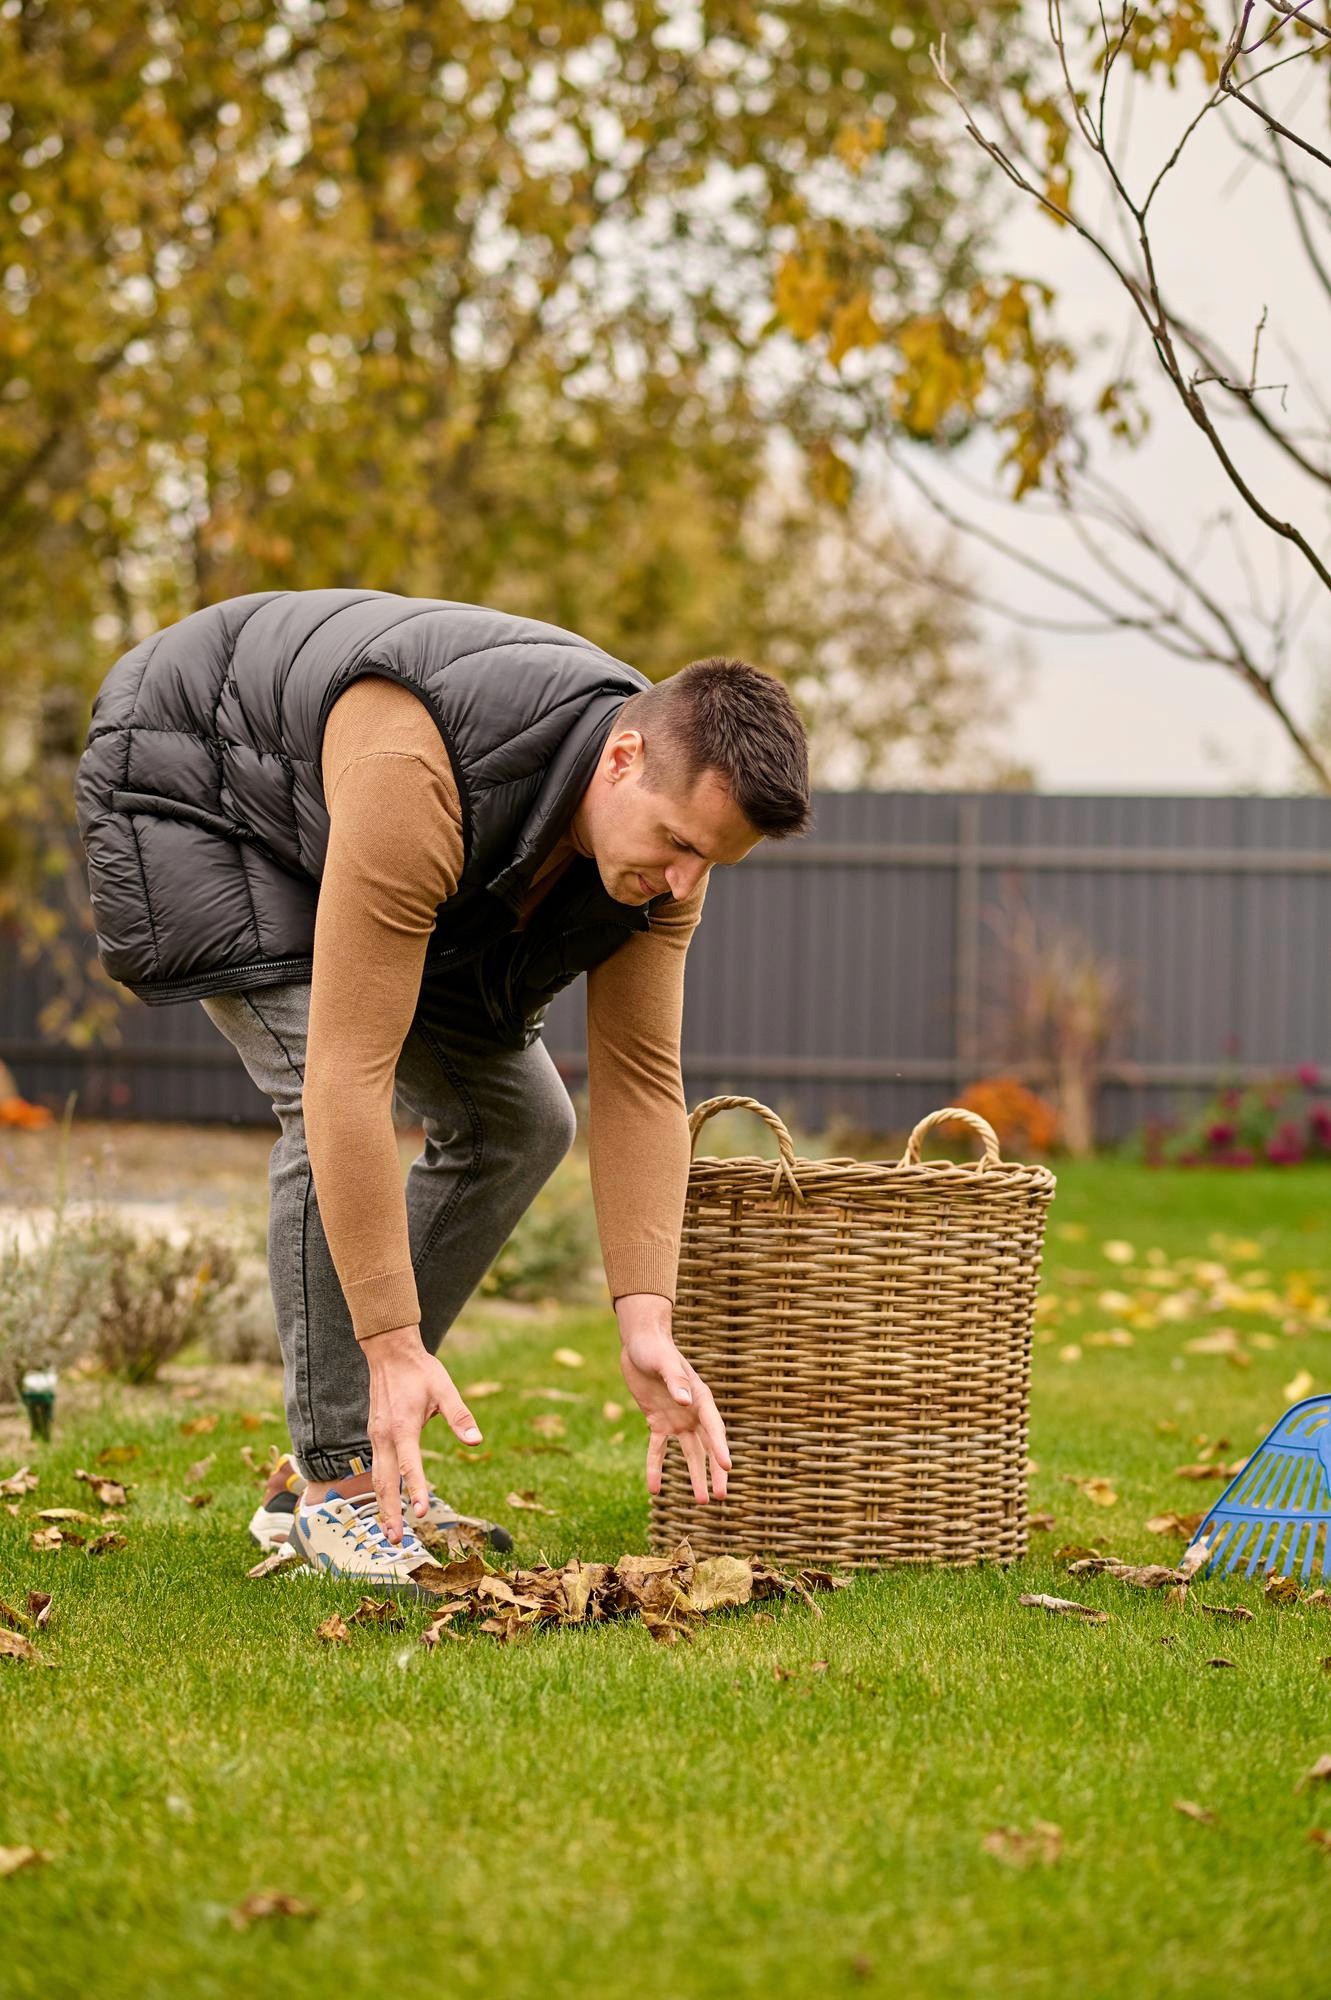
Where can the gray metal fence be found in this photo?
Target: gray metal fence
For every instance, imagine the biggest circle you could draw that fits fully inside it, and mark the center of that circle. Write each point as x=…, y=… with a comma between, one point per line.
x=864, y=972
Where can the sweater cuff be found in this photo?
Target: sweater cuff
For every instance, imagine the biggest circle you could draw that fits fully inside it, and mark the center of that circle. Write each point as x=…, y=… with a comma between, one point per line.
x=641, y=1267
x=379, y=1305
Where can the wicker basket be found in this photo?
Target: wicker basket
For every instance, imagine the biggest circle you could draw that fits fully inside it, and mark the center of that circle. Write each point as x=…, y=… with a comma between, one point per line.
x=865, y=1328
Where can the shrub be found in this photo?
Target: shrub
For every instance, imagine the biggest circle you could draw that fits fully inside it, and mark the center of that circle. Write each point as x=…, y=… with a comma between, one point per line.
x=1279, y=1122
x=51, y=1282
x=1024, y=1122
x=160, y=1294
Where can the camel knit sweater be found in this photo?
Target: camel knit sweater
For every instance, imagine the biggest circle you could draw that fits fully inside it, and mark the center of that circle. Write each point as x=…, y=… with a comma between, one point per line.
x=395, y=853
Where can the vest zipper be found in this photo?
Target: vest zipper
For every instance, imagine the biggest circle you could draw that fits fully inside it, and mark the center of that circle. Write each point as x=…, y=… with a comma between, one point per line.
x=228, y=980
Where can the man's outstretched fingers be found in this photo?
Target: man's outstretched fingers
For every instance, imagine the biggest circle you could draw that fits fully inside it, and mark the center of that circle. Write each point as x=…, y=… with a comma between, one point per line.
x=656, y=1451
x=413, y=1472
x=696, y=1459
x=386, y=1475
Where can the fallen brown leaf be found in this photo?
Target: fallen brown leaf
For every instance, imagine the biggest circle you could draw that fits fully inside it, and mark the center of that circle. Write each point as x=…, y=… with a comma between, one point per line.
x=475, y=1391
x=109, y=1491
x=612, y=1412
x=1063, y=1607
x=53, y=1538
x=118, y=1454
x=199, y=1470
x=1075, y=1552
x=1184, y=1526
x=195, y=1427
x=1317, y=1774
x=1041, y=1524
x=15, y=1620
x=106, y=1545
x=1219, y=1661
x=12, y=1859
x=527, y=1502
x=720, y=1581
x=62, y=1514
x=1200, y=1471
x=18, y=1483
x=1099, y=1492
x=250, y=1420
x=1144, y=1576
x=263, y=1903
x=39, y=1607
x=378, y=1611
x=13, y=1646
x=1239, y=1613
x=549, y=1424
x=1281, y=1590
x=334, y=1630
x=1044, y=1843
x=1320, y=1836
x=1191, y=1810
x=277, y=1560
x=1194, y=1558
x=199, y=1499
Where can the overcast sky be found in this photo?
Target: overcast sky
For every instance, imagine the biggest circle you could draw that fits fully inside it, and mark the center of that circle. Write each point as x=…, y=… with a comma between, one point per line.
x=1111, y=714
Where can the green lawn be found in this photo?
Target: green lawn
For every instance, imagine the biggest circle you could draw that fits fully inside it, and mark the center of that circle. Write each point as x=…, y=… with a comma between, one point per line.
x=589, y=1813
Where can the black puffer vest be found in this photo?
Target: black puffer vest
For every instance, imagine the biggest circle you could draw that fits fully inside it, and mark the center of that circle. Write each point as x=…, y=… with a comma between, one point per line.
x=201, y=807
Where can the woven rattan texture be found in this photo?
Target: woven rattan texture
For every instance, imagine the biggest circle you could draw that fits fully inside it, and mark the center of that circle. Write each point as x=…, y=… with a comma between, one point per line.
x=869, y=1350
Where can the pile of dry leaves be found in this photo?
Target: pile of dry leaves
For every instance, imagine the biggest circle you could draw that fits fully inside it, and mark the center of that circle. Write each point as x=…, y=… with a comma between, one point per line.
x=668, y=1594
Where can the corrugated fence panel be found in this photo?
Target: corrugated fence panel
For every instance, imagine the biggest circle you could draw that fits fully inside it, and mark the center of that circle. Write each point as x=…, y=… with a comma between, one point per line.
x=866, y=972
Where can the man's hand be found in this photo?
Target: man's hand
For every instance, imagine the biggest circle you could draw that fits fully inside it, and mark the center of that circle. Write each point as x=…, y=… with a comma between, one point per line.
x=407, y=1387
x=671, y=1395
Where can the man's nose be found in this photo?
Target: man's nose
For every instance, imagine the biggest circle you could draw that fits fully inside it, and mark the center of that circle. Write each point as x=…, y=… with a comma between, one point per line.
x=683, y=877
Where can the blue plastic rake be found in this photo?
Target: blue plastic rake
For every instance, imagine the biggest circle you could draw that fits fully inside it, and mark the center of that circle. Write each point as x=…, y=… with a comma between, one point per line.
x=1276, y=1513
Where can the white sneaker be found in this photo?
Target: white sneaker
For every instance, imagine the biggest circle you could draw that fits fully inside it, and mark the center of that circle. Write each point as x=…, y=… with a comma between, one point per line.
x=345, y=1538
x=270, y=1523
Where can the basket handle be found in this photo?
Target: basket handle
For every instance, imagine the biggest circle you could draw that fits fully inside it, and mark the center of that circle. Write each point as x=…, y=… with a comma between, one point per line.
x=698, y=1118
x=982, y=1129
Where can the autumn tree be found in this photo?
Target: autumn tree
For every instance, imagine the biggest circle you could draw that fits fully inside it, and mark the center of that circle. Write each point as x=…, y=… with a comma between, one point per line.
x=487, y=300
x=996, y=365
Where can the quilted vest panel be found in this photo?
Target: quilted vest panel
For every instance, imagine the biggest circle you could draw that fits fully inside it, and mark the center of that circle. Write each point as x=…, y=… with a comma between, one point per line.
x=201, y=810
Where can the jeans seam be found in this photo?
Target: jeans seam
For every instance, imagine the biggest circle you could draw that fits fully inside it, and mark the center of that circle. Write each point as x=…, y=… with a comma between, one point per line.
x=303, y=1374
x=469, y=1174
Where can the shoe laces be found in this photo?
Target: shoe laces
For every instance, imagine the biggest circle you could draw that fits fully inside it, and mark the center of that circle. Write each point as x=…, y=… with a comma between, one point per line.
x=371, y=1530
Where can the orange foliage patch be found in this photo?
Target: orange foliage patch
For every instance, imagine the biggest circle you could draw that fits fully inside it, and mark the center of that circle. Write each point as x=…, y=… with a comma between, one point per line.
x=1024, y=1122
x=27, y=1117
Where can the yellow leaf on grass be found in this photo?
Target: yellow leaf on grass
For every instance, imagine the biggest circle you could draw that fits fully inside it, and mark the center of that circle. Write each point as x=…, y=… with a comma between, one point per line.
x=567, y=1357
x=14, y=1858
x=475, y=1390
x=1118, y=1252
x=1044, y=1843
x=1301, y=1386
x=526, y=1502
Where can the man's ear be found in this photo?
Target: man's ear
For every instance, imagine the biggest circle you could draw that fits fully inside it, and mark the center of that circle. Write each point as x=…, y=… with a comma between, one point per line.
x=625, y=752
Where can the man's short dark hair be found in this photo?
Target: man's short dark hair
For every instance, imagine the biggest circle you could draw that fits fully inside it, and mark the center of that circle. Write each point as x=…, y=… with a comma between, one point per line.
x=726, y=716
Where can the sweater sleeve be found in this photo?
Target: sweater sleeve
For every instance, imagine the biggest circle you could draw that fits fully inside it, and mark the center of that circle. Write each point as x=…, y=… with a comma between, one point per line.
x=638, y=1136
x=395, y=852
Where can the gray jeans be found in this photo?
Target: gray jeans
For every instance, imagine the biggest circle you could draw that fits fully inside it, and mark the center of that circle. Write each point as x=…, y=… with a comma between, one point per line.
x=497, y=1122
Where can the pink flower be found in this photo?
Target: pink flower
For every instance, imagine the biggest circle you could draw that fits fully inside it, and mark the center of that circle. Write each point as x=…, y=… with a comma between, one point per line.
x=1240, y=1157
x=1309, y=1076
x=1220, y=1134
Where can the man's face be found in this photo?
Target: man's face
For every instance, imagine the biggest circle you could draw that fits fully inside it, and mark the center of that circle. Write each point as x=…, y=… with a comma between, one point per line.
x=649, y=843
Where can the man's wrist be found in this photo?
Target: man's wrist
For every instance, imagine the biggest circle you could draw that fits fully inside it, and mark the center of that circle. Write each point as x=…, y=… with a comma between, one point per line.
x=397, y=1343
x=643, y=1312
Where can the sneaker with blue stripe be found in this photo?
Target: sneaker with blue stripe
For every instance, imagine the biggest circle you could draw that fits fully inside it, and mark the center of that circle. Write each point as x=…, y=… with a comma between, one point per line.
x=344, y=1538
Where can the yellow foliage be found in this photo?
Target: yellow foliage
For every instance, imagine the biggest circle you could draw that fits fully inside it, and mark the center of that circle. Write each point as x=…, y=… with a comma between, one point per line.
x=804, y=294
x=856, y=144
x=853, y=325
